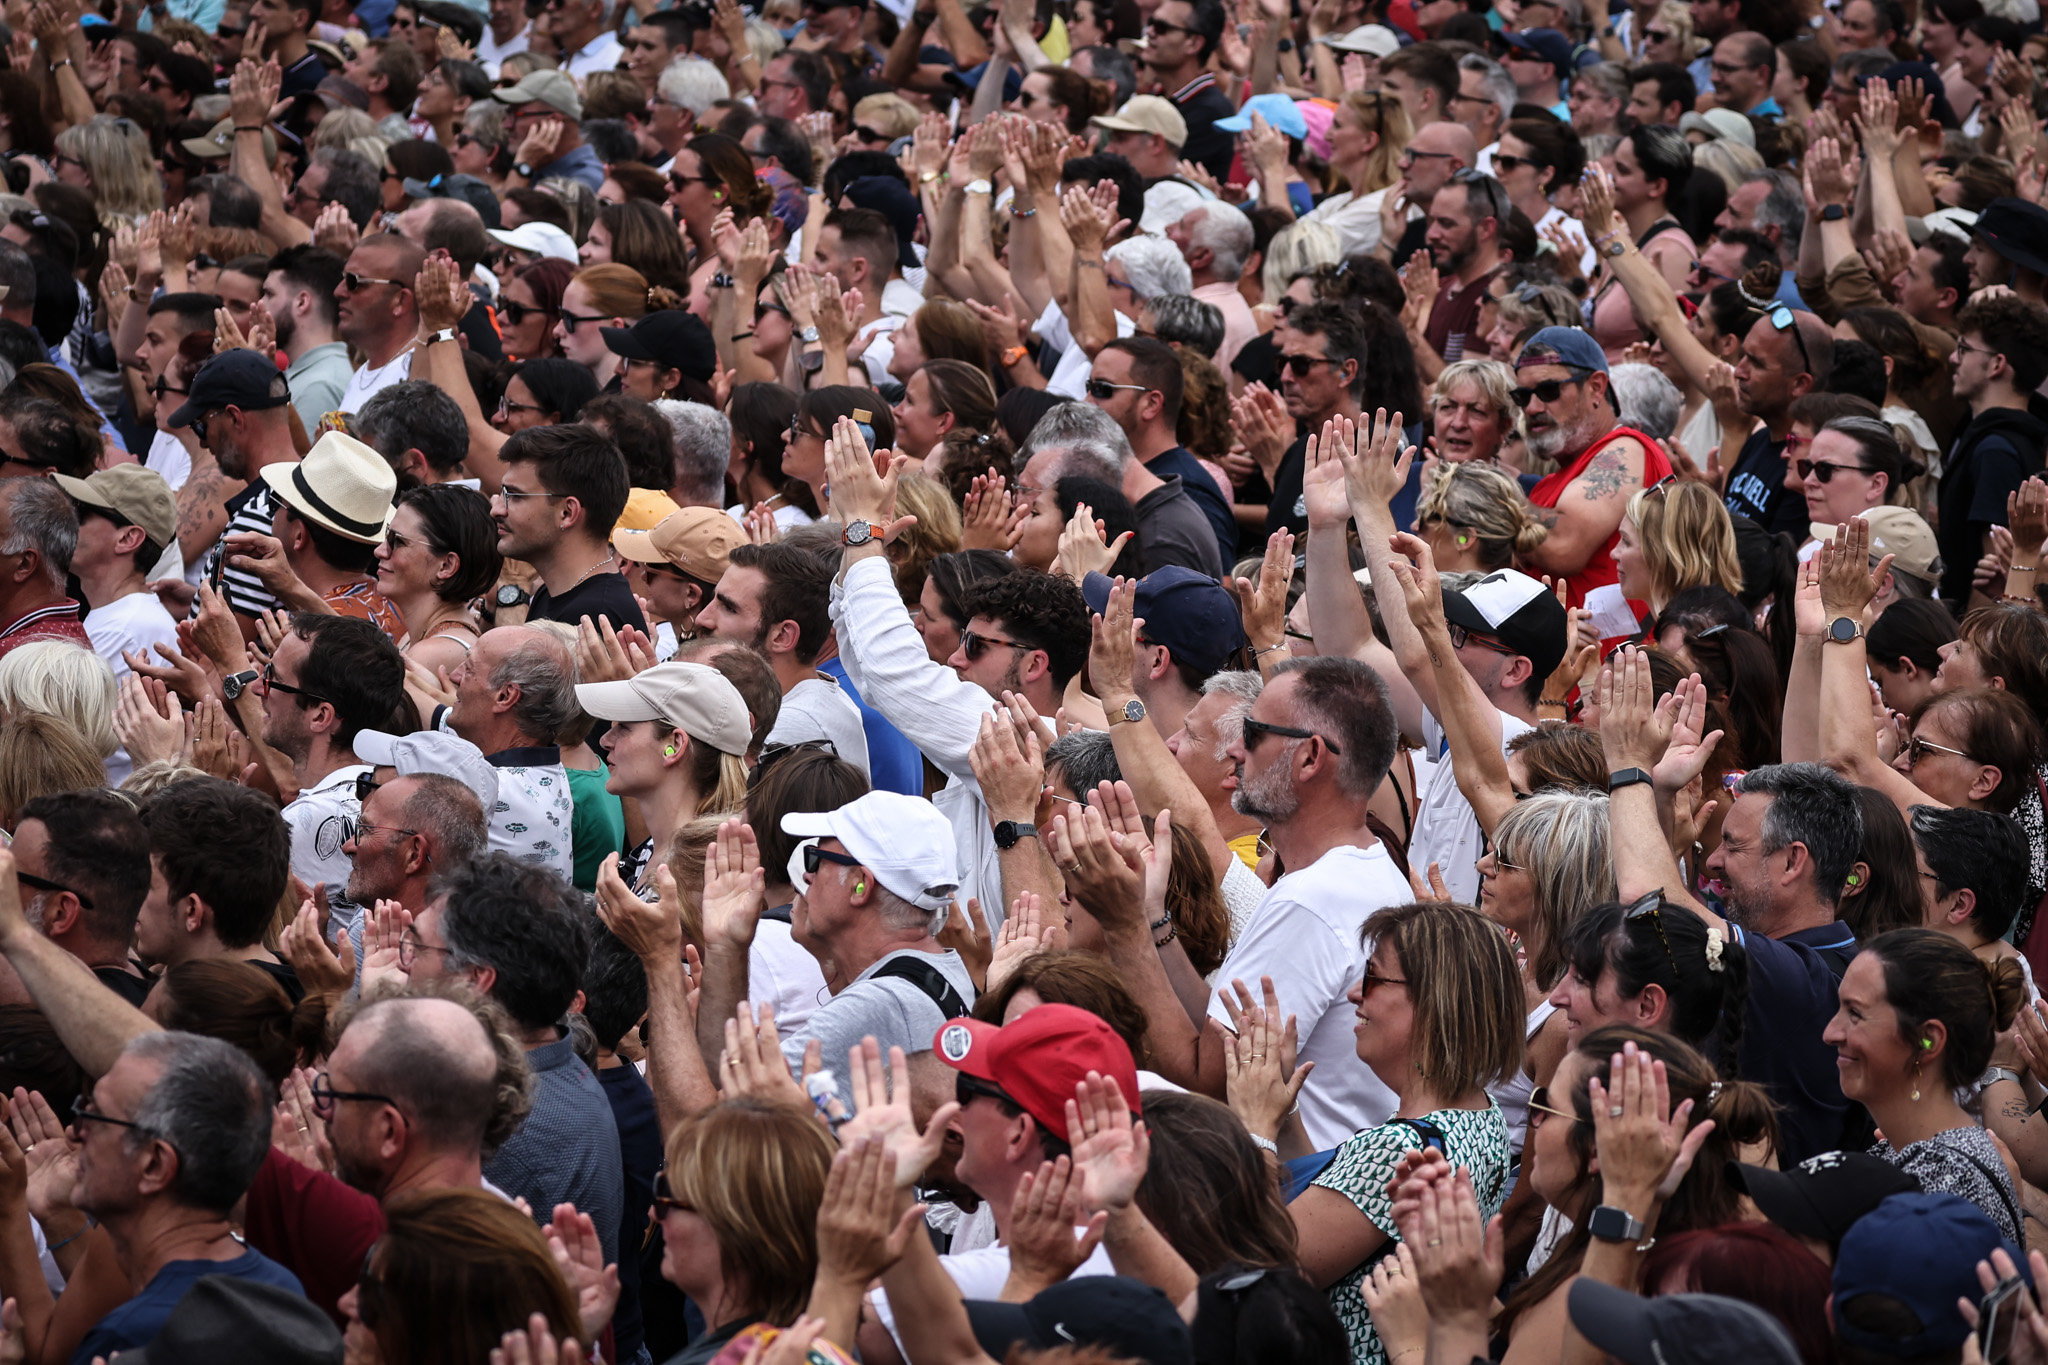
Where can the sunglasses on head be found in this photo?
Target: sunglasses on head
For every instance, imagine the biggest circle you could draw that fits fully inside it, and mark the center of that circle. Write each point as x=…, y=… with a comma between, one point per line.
x=1783, y=321
x=1651, y=907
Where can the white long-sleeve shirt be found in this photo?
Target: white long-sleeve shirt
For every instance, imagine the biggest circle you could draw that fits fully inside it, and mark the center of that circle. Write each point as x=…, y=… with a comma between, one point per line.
x=930, y=704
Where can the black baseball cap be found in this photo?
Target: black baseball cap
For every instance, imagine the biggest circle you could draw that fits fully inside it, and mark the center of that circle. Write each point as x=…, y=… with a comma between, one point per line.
x=240, y=378
x=672, y=338
x=467, y=188
x=1824, y=1195
x=1128, y=1316
x=1515, y=609
x=1677, y=1329
x=1190, y=613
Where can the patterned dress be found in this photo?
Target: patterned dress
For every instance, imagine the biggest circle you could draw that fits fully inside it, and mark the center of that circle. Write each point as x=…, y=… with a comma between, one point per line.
x=1476, y=1139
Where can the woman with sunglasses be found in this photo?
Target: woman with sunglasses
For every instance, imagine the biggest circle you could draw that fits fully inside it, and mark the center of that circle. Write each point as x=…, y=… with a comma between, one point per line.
x=600, y=296
x=1580, y=1165
x=713, y=173
x=479, y=148
x=412, y=159
x=1439, y=1019
x=453, y=1272
x=440, y=554
x=528, y=306
x=818, y=411
x=761, y=414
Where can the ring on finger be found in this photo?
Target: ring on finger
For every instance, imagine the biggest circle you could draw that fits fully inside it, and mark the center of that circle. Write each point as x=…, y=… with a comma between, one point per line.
x=1616, y=1112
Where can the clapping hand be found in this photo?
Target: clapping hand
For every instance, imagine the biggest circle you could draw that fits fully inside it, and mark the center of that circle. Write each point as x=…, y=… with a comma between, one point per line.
x=1644, y=1144
x=579, y=1255
x=1635, y=729
x=1028, y=930
x=1847, y=582
x=883, y=1112
x=1048, y=1206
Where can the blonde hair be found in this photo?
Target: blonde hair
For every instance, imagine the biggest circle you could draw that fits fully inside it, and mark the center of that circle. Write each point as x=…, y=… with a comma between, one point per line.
x=937, y=532
x=116, y=157
x=620, y=291
x=1298, y=249
x=152, y=777
x=1687, y=539
x=61, y=679
x=1468, y=1025
x=522, y=64
x=350, y=130
x=1729, y=160
x=755, y=1174
x=887, y=113
x=42, y=755
x=1560, y=840
x=1495, y=381
x=1485, y=500
x=1677, y=19
x=1388, y=117
x=689, y=851
x=763, y=40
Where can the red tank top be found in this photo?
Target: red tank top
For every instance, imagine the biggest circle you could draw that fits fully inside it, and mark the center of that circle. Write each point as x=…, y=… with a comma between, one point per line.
x=1599, y=570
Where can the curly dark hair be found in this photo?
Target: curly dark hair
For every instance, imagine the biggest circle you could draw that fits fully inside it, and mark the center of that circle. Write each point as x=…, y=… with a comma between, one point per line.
x=525, y=923
x=1044, y=611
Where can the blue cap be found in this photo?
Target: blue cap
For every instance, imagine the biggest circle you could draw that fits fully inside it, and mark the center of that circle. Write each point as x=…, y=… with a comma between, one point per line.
x=1279, y=111
x=1547, y=43
x=1191, y=614
x=970, y=79
x=1563, y=346
x=1921, y=1250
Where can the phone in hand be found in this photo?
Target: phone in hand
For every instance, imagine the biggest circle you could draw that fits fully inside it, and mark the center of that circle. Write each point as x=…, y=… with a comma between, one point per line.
x=1996, y=1316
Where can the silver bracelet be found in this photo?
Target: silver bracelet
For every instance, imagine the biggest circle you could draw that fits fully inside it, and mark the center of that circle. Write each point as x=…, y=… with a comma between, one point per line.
x=1265, y=1142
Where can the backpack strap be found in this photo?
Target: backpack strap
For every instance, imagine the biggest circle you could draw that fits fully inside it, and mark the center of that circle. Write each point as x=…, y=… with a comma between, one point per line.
x=929, y=979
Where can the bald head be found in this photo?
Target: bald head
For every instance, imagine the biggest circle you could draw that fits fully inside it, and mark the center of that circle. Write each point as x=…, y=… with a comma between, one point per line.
x=1437, y=151
x=434, y=1060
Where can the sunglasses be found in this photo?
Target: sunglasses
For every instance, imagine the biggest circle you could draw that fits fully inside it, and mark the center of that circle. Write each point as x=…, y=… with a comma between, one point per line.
x=1701, y=269
x=1539, y=1103
x=762, y=310
x=516, y=313
x=665, y=1195
x=1549, y=391
x=271, y=684
x=1103, y=390
x=1255, y=730
x=975, y=645
x=1299, y=365
x=773, y=754
x=1504, y=162
x=1916, y=749
x=1783, y=321
x=354, y=282
x=571, y=321
x=1825, y=470
x=816, y=857
x=44, y=884
x=967, y=1089
x=1654, y=35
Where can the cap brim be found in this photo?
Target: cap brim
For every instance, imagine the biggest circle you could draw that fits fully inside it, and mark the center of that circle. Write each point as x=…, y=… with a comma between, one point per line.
x=1616, y=1321
x=204, y=147
x=376, y=748
x=638, y=546
x=1778, y=1197
x=1118, y=125
x=78, y=490
x=621, y=341
x=967, y=1051
x=1460, y=612
x=187, y=412
x=809, y=824
x=615, y=701
x=999, y=1326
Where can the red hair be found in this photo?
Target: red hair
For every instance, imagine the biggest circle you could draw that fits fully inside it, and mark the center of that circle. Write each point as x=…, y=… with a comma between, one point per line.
x=1759, y=1263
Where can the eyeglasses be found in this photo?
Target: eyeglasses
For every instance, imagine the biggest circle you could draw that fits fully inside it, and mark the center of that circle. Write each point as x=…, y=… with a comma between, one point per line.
x=762, y=310
x=162, y=387
x=512, y=495
x=354, y=282
x=1549, y=391
x=325, y=1096
x=1652, y=906
x=1461, y=636
x=797, y=431
x=1917, y=749
x=665, y=1195
x=1409, y=156
x=1783, y=321
x=411, y=945
x=1255, y=730
x=1161, y=26
x=82, y=1112
x=1539, y=1103
x=366, y=831
x=974, y=644
x=1825, y=470
x=571, y=321
x=816, y=857
x=1299, y=365
x=1103, y=389
x=1373, y=978
x=1965, y=346
x=516, y=313
x=271, y=684
x=44, y=884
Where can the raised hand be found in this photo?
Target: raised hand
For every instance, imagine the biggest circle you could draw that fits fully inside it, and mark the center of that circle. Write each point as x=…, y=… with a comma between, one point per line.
x=1263, y=606
x=882, y=1111
x=321, y=969
x=1260, y=422
x=1646, y=1149
x=1048, y=1205
x=1098, y=870
x=148, y=734
x=1111, y=1149
x=1634, y=729
x=536, y=1346
x=1324, y=493
x=1026, y=931
x=1082, y=550
x=1379, y=468
x=444, y=299
x=733, y=883
x=2026, y=516
x=1009, y=768
x=1847, y=582
x=1394, y=1299
x=860, y=1234
x=579, y=1255
x=1459, y=1261
x=966, y=933
x=1261, y=1080
x=1421, y=585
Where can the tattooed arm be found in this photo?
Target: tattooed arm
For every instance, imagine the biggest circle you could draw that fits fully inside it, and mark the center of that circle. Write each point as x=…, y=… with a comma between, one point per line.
x=202, y=510
x=1589, y=511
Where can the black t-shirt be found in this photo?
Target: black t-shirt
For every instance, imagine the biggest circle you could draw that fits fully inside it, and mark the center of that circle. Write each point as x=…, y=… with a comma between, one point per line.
x=604, y=595
x=1411, y=241
x=283, y=974
x=124, y=983
x=1756, y=487
x=1997, y=452
x=1207, y=146
x=1286, y=509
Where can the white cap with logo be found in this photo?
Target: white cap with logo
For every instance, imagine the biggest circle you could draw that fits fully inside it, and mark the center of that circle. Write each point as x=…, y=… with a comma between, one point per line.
x=903, y=840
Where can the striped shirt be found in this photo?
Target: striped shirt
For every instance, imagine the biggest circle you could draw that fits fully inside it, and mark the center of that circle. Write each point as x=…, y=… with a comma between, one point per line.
x=249, y=512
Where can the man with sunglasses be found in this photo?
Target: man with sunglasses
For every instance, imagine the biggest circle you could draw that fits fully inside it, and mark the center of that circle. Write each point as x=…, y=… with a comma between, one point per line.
x=379, y=313
x=1562, y=385
x=147, y=341
x=2000, y=358
x=126, y=519
x=1785, y=355
x=1179, y=37
x=1322, y=375
x=1136, y=381
x=238, y=409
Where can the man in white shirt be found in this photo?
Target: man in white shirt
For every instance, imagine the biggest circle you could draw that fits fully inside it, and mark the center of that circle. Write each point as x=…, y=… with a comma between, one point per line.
x=172, y=318
x=379, y=313
x=505, y=35
x=582, y=30
x=857, y=247
x=513, y=694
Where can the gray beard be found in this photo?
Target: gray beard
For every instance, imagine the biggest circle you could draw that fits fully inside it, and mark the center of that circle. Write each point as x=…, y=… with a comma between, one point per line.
x=1270, y=797
x=1550, y=444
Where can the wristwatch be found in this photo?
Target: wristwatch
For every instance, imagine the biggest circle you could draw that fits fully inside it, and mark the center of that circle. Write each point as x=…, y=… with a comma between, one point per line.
x=512, y=595
x=926, y=177
x=1627, y=777
x=1842, y=630
x=235, y=684
x=1833, y=213
x=1611, y=1224
x=808, y=335
x=857, y=532
x=525, y=171
x=1992, y=1075
x=445, y=334
x=1132, y=710
x=1009, y=832
x=980, y=187
x=1015, y=356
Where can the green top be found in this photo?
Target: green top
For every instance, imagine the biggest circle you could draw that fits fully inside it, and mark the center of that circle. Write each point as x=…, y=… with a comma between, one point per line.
x=598, y=827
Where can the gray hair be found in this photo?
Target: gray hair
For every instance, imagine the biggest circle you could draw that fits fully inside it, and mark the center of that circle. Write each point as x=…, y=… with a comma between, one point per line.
x=1085, y=429
x=1300, y=248
x=41, y=518
x=1114, y=65
x=485, y=121
x=703, y=446
x=694, y=84
x=1154, y=266
x=543, y=670
x=1086, y=758
x=1227, y=233
x=1242, y=687
x=415, y=415
x=1814, y=806
x=450, y=815
x=212, y=1105
x=1187, y=320
x=1783, y=208
x=65, y=680
x=1499, y=85
x=1648, y=400
x=1607, y=78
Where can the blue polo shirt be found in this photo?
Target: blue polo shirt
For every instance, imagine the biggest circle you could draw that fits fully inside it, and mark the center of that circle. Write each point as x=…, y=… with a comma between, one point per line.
x=1792, y=991
x=894, y=763
x=135, y=1323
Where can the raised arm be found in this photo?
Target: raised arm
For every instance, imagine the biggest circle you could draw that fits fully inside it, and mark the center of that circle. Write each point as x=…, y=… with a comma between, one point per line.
x=1635, y=731
x=1800, y=721
x=443, y=299
x=1374, y=471
x=92, y=1022
x=1649, y=292
x=1848, y=743
x=675, y=1061
x=1088, y=225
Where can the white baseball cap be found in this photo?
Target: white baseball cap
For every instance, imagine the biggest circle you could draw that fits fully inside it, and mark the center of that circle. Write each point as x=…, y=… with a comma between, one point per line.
x=902, y=839
x=432, y=751
x=694, y=698
x=543, y=239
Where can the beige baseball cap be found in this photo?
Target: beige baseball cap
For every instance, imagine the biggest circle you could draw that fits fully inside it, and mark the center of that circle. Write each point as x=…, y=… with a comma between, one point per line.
x=694, y=698
x=555, y=89
x=697, y=540
x=1147, y=114
x=132, y=492
x=1905, y=535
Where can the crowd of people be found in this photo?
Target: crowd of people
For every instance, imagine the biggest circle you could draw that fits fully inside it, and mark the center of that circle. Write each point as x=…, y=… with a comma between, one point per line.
x=1443, y=572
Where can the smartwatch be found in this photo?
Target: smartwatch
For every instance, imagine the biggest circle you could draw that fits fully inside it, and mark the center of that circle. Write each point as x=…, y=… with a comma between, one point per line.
x=235, y=684
x=1010, y=832
x=1842, y=630
x=1627, y=777
x=524, y=171
x=1611, y=1224
x=1833, y=213
x=1132, y=710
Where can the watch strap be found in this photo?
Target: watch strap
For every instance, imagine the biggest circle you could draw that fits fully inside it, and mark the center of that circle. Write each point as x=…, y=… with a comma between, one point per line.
x=445, y=334
x=1611, y=1224
x=1010, y=833
x=524, y=170
x=1626, y=777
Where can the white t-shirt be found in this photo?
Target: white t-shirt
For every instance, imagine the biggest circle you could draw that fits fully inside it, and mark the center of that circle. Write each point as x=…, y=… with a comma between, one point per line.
x=1446, y=830
x=981, y=1274
x=168, y=457
x=1306, y=937
x=1355, y=218
x=782, y=973
x=134, y=622
x=366, y=382
x=599, y=54
x=1070, y=376
x=321, y=820
x=1243, y=893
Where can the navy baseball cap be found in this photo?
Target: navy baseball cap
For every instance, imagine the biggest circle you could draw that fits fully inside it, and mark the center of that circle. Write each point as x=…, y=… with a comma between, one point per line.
x=239, y=378
x=1920, y=1250
x=467, y=188
x=1677, y=1329
x=671, y=338
x=1546, y=43
x=1128, y=1316
x=1563, y=346
x=891, y=198
x=1190, y=613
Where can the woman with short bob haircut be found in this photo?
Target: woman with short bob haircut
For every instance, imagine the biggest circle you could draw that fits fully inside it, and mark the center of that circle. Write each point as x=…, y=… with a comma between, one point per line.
x=110, y=156
x=1441, y=1017
x=745, y=1178
x=439, y=555
x=453, y=1272
x=1673, y=537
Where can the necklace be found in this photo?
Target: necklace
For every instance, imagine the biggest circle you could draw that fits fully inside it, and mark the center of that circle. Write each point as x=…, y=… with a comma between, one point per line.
x=610, y=557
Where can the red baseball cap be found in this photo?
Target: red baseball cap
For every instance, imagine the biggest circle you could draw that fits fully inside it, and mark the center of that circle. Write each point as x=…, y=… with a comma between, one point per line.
x=1038, y=1060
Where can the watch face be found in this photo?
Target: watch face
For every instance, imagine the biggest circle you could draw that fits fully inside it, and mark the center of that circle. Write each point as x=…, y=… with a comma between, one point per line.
x=509, y=596
x=1842, y=629
x=1134, y=710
